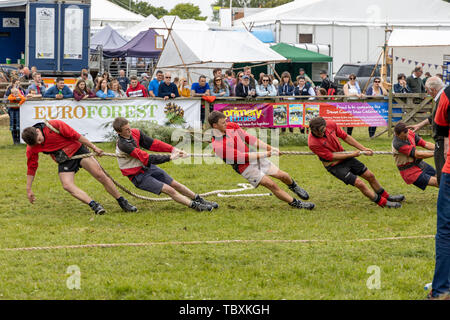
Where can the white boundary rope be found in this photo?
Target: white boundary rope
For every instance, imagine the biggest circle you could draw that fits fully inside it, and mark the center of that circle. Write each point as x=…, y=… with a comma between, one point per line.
x=185, y=243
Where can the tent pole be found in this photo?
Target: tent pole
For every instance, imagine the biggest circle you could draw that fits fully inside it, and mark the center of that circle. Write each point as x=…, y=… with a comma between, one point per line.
x=274, y=71
x=178, y=50
x=373, y=72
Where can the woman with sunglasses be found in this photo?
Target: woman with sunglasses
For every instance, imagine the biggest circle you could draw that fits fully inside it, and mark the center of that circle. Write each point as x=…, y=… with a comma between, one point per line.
x=352, y=90
x=265, y=88
x=286, y=86
x=219, y=89
x=376, y=90
x=182, y=89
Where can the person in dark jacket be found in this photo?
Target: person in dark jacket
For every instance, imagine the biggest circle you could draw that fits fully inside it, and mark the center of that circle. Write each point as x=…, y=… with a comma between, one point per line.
x=401, y=86
x=327, y=84
x=245, y=89
x=415, y=82
x=286, y=86
x=168, y=89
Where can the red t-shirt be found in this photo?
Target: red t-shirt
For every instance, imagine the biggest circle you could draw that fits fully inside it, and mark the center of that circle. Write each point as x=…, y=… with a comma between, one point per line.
x=232, y=146
x=408, y=148
x=443, y=119
x=329, y=143
x=66, y=140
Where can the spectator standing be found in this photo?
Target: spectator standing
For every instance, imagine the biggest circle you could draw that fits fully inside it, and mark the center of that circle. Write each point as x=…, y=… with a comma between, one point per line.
x=376, y=90
x=352, y=90
x=15, y=84
x=265, y=88
x=36, y=86
x=103, y=90
x=85, y=76
x=81, y=91
x=231, y=81
x=200, y=88
x=168, y=89
x=401, y=86
x=59, y=90
x=302, y=73
x=116, y=88
x=106, y=76
x=154, y=84
x=245, y=88
x=183, y=91
x=219, y=88
x=427, y=76
x=176, y=81
x=145, y=80
x=123, y=80
x=248, y=72
x=136, y=89
x=16, y=97
x=217, y=73
x=414, y=82
x=304, y=88
x=327, y=84
x=26, y=75
x=286, y=87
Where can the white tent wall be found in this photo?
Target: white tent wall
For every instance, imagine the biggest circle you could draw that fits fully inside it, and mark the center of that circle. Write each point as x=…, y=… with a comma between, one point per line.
x=104, y=12
x=427, y=55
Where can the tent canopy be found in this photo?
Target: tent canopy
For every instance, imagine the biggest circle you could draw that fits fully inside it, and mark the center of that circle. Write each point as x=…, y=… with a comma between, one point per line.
x=177, y=24
x=419, y=38
x=12, y=3
x=299, y=55
x=141, y=26
x=104, y=10
x=141, y=46
x=108, y=38
x=356, y=12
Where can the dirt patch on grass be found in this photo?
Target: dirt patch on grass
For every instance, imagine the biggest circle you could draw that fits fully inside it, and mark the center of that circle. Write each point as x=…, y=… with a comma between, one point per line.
x=4, y=120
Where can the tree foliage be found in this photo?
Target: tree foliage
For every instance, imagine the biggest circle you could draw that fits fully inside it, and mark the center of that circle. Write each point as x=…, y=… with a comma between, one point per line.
x=251, y=3
x=187, y=11
x=141, y=7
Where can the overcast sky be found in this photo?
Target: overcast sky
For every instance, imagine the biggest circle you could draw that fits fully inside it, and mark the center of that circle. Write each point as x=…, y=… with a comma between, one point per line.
x=204, y=5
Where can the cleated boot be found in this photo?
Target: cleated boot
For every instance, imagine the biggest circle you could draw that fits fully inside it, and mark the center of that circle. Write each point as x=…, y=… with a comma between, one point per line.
x=203, y=201
x=200, y=206
x=299, y=191
x=393, y=205
x=126, y=206
x=302, y=205
x=396, y=198
x=98, y=209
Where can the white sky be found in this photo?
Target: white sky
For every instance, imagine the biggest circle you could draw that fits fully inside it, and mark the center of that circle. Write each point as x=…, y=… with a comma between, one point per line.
x=204, y=5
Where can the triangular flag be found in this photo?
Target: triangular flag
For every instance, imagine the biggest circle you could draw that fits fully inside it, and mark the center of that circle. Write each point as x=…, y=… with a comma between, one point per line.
x=396, y=58
x=423, y=64
x=416, y=62
x=403, y=59
x=409, y=61
x=429, y=65
x=435, y=66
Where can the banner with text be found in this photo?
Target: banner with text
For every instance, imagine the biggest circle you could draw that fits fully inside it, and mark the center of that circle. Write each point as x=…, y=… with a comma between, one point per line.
x=91, y=117
x=345, y=114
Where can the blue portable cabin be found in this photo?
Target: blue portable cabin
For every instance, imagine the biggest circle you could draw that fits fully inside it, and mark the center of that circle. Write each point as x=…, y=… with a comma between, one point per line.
x=51, y=35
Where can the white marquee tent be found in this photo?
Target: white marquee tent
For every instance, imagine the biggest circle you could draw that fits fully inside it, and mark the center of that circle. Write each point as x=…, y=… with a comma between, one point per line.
x=202, y=51
x=355, y=29
x=141, y=26
x=104, y=12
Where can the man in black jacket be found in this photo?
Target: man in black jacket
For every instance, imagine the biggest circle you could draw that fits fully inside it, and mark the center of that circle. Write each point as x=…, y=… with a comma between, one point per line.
x=245, y=89
x=414, y=82
x=168, y=89
x=326, y=83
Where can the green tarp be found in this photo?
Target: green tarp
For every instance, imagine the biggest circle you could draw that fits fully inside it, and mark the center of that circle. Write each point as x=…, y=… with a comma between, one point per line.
x=299, y=55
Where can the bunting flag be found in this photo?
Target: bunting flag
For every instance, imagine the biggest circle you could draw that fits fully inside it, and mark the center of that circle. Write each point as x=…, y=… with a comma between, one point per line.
x=435, y=66
x=396, y=58
x=423, y=64
x=409, y=61
x=429, y=65
x=403, y=59
x=416, y=63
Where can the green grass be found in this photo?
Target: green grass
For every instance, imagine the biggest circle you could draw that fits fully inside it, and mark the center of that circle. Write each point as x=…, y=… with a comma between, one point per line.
x=327, y=270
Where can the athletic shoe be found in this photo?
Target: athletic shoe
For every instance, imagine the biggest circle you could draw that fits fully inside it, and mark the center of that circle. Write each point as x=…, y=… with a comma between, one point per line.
x=393, y=205
x=396, y=198
x=203, y=201
x=445, y=296
x=200, y=206
x=302, y=205
x=98, y=209
x=126, y=206
x=299, y=191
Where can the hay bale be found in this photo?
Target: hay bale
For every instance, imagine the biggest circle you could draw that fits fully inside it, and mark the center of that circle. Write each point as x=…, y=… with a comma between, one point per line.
x=4, y=120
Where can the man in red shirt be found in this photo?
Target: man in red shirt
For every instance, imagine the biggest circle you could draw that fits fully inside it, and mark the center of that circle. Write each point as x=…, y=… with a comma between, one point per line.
x=61, y=146
x=230, y=144
x=323, y=141
x=441, y=279
x=136, y=89
x=141, y=169
x=409, y=160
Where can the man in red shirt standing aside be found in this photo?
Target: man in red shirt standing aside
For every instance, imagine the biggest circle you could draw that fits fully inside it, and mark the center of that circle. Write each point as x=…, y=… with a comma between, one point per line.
x=441, y=280
x=62, y=145
x=230, y=144
x=323, y=141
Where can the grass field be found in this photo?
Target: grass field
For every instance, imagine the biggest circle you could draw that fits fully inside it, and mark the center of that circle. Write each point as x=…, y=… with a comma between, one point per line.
x=334, y=269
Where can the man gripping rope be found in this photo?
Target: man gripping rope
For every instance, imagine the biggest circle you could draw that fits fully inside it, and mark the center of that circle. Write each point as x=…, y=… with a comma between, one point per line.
x=62, y=145
x=230, y=144
x=140, y=167
x=323, y=141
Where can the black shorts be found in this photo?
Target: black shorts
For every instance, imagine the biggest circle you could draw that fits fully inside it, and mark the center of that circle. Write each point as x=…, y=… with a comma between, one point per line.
x=348, y=170
x=152, y=180
x=424, y=178
x=73, y=165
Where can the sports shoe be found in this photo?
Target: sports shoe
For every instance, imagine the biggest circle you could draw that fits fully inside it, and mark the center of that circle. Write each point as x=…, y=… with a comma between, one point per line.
x=126, y=206
x=445, y=296
x=200, y=206
x=302, y=205
x=299, y=191
x=98, y=209
x=393, y=205
x=396, y=198
x=203, y=201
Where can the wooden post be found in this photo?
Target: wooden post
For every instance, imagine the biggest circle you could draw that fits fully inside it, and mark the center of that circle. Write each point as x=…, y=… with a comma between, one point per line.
x=390, y=113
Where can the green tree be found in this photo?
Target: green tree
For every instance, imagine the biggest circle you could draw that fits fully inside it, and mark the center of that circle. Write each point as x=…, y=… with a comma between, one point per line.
x=251, y=3
x=142, y=8
x=187, y=11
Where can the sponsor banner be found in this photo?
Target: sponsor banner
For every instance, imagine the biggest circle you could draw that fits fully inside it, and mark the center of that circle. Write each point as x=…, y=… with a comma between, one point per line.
x=345, y=114
x=93, y=118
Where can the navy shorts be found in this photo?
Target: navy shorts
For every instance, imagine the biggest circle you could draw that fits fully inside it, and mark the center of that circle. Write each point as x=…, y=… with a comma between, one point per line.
x=348, y=170
x=424, y=178
x=152, y=180
x=73, y=165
